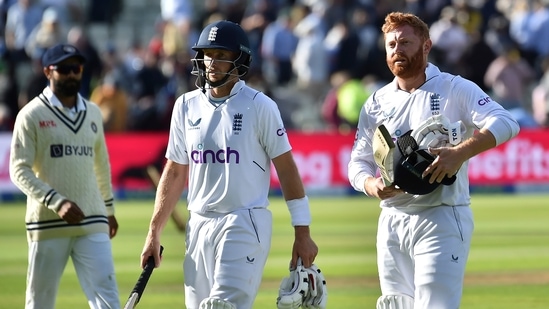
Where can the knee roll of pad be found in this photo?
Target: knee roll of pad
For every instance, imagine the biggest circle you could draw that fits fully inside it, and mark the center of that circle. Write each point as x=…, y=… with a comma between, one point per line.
x=395, y=302
x=216, y=303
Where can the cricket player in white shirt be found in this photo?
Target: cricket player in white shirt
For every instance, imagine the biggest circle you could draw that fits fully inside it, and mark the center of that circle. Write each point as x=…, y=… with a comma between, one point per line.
x=423, y=239
x=223, y=138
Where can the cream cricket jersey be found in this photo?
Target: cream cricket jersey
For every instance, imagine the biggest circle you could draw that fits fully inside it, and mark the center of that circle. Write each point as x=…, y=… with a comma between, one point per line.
x=228, y=148
x=400, y=111
x=56, y=156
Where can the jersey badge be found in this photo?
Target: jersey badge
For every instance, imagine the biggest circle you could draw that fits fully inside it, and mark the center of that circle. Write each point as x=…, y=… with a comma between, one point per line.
x=435, y=104
x=237, y=123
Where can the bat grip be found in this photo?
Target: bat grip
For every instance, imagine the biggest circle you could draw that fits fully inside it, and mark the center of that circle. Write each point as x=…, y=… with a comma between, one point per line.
x=144, y=277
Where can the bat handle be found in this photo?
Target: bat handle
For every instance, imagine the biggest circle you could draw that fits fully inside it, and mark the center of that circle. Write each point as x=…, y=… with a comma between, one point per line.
x=150, y=260
x=144, y=278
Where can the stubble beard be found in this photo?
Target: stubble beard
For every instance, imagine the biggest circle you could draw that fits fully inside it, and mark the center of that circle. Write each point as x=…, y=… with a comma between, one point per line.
x=414, y=65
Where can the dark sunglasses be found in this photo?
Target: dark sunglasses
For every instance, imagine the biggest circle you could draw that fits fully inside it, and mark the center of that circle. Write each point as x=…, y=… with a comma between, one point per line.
x=67, y=68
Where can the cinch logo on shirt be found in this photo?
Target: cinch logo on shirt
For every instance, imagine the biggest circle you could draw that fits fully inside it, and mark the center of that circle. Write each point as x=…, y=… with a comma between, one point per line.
x=211, y=156
x=59, y=151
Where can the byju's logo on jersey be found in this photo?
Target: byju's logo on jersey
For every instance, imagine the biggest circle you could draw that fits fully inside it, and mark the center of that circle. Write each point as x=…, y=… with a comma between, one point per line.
x=60, y=150
x=435, y=103
x=212, y=34
x=224, y=156
x=237, y=123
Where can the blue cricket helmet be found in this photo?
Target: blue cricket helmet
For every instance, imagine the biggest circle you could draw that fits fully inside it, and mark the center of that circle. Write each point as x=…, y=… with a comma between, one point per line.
x=226, y=35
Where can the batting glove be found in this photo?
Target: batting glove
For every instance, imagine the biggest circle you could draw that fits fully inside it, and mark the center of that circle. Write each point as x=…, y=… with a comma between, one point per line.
x=293, y=289
x=317, y=295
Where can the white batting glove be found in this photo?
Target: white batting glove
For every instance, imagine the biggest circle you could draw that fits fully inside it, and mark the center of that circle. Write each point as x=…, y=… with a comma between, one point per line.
x=317, y=296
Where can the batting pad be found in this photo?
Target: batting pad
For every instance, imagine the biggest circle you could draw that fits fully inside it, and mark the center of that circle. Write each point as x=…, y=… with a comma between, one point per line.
x=384, y=147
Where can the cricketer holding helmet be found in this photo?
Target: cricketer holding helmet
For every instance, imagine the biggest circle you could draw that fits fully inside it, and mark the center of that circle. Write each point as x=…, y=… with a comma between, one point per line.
x=423, y=240
x=223, y=137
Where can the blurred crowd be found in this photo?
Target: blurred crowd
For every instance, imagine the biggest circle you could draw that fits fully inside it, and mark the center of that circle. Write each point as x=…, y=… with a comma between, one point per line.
x=319, y=59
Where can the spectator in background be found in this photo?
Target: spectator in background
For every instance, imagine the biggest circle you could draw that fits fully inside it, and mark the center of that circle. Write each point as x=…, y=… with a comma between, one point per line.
x=49, y=32
x=311, y=61
x=540, y=97
x=342, y=105
x=342, y=44
x=6, y=119
x=93, y=68
x=145, y=99
x=177, y=16
x=104, y=12
x=4, y=6
x=21, y=18
x=69, y=11
x=35, y=86
x=277, y=49
x=113, y=103
x=450, y=40
x=351, y=97
x=475, y=60
x=369, y=53
x=329, y=107
x=508, y=78
x=529, y=27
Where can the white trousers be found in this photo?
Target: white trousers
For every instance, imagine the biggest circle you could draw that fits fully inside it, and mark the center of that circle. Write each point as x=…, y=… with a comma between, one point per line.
x=92, y=259
x=226, y=255
x=423, y=255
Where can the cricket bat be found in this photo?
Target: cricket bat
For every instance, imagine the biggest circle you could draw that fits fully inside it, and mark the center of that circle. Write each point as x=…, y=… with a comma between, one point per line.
x=384, y=147
x=141, y=283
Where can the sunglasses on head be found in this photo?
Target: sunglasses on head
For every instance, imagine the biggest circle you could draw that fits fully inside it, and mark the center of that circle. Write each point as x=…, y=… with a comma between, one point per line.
x=67, y=68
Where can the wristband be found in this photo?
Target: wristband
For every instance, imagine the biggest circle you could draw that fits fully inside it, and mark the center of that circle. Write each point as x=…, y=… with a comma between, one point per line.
x=299, y=211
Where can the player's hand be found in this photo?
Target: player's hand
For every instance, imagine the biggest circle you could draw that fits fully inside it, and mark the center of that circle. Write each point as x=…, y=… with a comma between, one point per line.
x=113, y=226
x=151, y=248
x=446, y=164
x=70, y=212
x=304, y=247
x=375, y=187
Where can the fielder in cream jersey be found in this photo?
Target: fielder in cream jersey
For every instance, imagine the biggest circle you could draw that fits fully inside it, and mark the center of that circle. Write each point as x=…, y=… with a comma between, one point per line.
x=59, y=159
x=223, y=138
x=423, y=240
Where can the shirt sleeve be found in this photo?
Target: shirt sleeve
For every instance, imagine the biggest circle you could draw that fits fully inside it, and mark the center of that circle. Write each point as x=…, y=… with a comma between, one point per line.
x=362, y=164
x=271, y=127
x=102, y=169
x=22, y=154
x=176, y=140
x=486, y=113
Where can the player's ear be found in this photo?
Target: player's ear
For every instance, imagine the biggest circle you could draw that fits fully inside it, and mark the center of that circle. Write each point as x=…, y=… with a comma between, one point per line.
x=427, y=46
x=47, y=71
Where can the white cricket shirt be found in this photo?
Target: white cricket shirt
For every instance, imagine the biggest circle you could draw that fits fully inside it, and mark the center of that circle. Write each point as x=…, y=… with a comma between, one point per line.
x=228, y=148
x=400, y=111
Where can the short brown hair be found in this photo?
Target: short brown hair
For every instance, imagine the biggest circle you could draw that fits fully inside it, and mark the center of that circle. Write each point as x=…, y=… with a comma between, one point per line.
x=397, y=19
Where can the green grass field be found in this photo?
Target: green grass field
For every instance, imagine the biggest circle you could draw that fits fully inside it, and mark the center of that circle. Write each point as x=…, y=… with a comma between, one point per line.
x=508, y=266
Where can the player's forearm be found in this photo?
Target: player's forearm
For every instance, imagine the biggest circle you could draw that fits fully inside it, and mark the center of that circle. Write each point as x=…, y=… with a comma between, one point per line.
x=481, y=141
x=171, y=186
x=288, y=175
